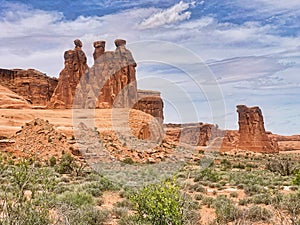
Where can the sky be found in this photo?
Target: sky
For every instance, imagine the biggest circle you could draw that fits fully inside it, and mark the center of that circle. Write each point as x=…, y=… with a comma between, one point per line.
x=205, y=57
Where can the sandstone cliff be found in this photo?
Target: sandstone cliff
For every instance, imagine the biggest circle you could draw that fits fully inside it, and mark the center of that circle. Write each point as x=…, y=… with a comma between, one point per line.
x=34, y=86
x=150, y=102
x=195, y=134
x=10, y=100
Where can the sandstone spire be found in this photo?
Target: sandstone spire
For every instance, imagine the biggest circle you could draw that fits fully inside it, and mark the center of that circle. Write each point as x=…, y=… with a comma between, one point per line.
x=69, y=77
x=252, y=132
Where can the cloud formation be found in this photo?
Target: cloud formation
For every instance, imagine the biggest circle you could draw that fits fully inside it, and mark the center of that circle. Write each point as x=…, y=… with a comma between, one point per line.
x=171, y=15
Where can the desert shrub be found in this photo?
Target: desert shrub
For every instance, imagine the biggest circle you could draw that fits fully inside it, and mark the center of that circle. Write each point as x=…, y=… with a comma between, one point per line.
x=224, y=209
x=207, y=174
x=76, y=199
x=25, y=214
x=244, y=201
x=257, y=213
x=296, y=180
x=52, y=161
x=132, y=220
x=239, y=166
x=198, y=188
x=85, y=215
x=226, y=164
x=208, y=201
x=261, y=199
x=284, y=167
x=198, y=197
x=120, y=212
x=161, y=204
x=32, y=208
x=254, y=189
x=291, y=203
x=65, y=165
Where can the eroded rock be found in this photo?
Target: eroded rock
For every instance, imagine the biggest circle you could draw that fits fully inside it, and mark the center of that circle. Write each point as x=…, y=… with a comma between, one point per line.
x=252, y=134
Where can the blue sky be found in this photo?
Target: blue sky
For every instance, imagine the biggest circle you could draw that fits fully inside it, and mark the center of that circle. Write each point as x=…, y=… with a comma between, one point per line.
x=205, y=57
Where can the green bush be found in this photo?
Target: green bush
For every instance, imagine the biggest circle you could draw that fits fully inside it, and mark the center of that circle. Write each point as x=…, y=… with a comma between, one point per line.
x=207, y=174
x=76, y=199
x=85, y=215
x=225, y=210
x=257, y=213
x=65, y=165
x=296, y=180
x=25, y=214
x=52, y=161
x=161, y=204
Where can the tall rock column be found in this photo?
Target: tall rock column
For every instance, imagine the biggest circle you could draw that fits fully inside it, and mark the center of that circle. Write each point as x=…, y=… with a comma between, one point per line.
x=69, y=77
x=252, y=132
x=112, y=78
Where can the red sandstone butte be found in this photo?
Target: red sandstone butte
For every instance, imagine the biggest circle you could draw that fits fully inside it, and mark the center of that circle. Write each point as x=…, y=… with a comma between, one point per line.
x=252, y=134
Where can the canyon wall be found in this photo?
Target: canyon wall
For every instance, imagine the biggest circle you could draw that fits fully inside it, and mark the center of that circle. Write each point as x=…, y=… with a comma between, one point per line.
x=34, y=86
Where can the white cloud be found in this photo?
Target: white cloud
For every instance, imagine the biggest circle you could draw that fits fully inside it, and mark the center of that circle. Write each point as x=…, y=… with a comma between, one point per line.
x=171, y=15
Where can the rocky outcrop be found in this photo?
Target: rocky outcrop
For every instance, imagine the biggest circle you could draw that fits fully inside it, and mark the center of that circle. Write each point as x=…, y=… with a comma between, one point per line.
x=150, y=102
x=34, y=86
x=111, y=82
x=75, y=67
x=286, y=143
x=252, y=134
x=10, y=100
x=195, y=134
x=47, y=141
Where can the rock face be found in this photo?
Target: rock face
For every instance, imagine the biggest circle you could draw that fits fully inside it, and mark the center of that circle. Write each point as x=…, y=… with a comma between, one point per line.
x=252, y=132
x=111, y=82
x=69, y=77
x=195, y=134
x=150, y=102
x=10, y=100
x=34, y=86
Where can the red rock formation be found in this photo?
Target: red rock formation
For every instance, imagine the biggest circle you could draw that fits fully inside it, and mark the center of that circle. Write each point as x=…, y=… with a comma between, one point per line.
x=10, y=100
x=111, y=82
x=69, y=77
x=150, y=102
x=252, y=132
x=32, y=85
x=195, y=134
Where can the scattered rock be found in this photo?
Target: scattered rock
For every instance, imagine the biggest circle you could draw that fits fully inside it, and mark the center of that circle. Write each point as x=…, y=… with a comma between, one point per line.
x=39, y=140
